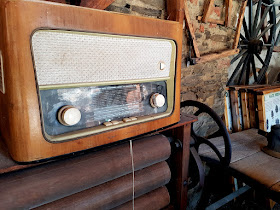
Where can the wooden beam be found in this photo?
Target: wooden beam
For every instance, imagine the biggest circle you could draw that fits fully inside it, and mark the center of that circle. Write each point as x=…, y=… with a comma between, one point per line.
x=175, y=10
x=191, y=30
x=228, y=12
x=207, y=10
x=217, y=55
x=239, y=24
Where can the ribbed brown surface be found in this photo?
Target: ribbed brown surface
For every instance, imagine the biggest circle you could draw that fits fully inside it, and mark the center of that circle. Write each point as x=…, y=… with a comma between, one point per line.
x=116, y=192
x=53, y=181
x=154, y=200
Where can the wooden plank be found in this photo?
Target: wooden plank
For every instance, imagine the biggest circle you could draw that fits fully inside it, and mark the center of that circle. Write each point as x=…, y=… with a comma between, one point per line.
x=260, y=167
x=261, y=112
x=236, y=119
x=179, y=166
x=191, y=30
x=239, y=24
x=216, y=55
x=241, y=143
x=207, y=10
x=228, y=12
x=245, y=110
x=252, y=110
x=270, y=89
x=175, y=10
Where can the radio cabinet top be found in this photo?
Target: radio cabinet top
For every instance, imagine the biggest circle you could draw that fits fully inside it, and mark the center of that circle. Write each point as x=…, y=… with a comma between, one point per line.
x=75, y=78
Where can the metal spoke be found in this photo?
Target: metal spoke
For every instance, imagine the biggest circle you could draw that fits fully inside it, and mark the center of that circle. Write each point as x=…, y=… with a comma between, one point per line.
x=257, y=16
x=243, y=69
x=248, y=70
x=250, y=16
x=243, y=37
x=260, y=59
x=254, y=70
x=245, y=29
x=264, y=31
x=236, y=70
x=261, y=21
x=238, y=56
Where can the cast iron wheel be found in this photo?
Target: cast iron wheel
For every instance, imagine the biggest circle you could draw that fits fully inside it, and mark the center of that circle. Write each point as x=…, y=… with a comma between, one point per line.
x=256, y=41
x=198, y=140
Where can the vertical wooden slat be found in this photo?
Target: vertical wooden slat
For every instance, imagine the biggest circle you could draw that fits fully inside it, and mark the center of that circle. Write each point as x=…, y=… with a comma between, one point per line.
x=261, y=112
x=245, y=110
x=228, y=12
x=191, y=30
x=235, y=111
x=175, y=10
x=252, y=110
x=207, y=10
x=239, y=24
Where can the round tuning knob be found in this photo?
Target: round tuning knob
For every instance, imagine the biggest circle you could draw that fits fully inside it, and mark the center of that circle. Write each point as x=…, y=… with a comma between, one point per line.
x=69, y=115
x=157, y=100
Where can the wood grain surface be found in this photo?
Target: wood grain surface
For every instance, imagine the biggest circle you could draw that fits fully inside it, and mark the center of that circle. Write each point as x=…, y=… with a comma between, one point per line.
x=249, y=163
x=116, y=192
x=23, y=189
x=21, y=122
x=154, y=200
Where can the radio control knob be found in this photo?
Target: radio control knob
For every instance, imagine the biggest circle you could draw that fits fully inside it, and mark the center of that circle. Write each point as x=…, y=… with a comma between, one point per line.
x=69, y=115
x=157, y=100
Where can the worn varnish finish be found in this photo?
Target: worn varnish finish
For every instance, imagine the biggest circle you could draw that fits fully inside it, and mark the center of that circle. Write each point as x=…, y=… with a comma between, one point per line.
x=154, y=200
x=143, y=150
x=116, y=192
x=23, y=189
x=249, y=163
x=20, y=121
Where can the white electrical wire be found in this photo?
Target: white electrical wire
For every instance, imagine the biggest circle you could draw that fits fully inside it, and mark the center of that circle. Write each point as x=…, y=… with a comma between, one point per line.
x=132, y=165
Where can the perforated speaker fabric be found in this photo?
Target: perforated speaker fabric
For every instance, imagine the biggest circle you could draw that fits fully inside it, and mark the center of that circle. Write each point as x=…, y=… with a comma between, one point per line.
x=65, y=57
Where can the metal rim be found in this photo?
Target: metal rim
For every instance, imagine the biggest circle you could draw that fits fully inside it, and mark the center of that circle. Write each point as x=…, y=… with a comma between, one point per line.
x=202, y=108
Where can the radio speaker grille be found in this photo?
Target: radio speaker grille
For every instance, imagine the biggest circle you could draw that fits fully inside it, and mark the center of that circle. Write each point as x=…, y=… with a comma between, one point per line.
x=68, y=57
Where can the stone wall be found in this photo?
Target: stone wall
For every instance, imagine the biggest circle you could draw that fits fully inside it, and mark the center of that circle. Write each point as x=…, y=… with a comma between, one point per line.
x=203, y=82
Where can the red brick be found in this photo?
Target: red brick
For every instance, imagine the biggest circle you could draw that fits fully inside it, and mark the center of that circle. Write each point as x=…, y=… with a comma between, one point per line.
x=201, y=28
x=212, y=25
x=217, y=11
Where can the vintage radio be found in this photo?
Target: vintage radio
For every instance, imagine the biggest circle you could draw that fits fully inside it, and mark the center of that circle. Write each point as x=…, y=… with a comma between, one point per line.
x=75, y=78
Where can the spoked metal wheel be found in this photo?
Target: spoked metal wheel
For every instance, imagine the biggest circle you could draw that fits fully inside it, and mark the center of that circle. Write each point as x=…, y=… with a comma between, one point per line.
x=222, y=131
x=256, y=44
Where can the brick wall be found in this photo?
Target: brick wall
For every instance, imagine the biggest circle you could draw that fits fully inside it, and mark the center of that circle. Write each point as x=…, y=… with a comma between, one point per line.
x=202, y=82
